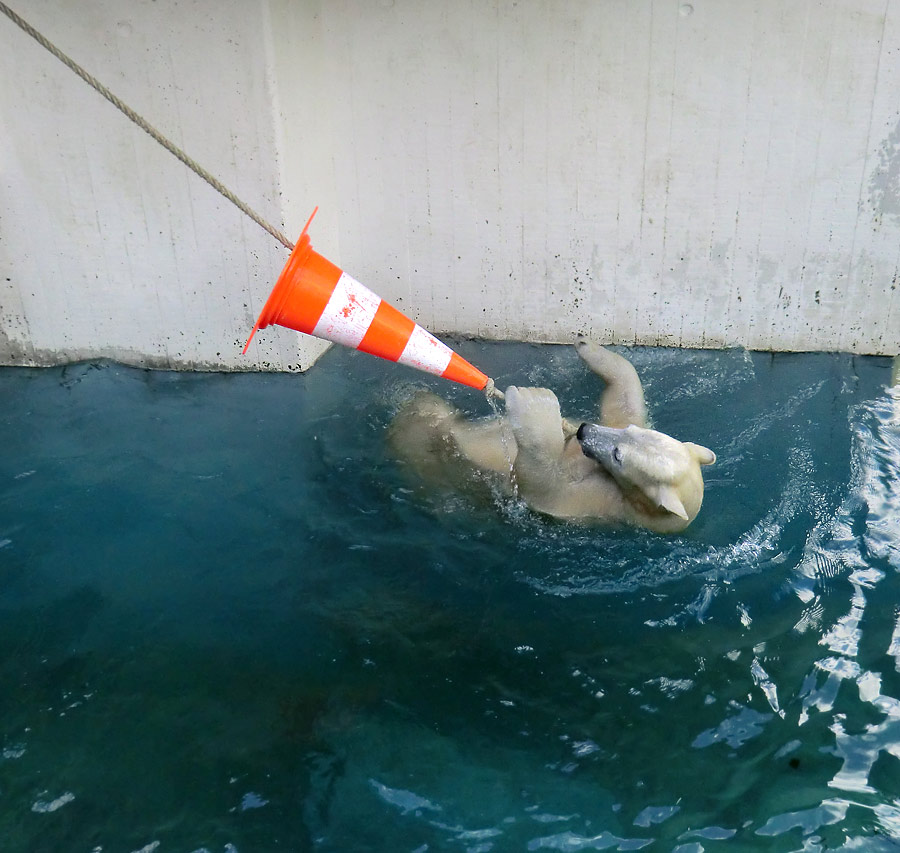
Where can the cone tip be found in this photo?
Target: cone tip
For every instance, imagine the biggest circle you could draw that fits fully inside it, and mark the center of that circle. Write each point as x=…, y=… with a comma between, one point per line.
x=461, y=371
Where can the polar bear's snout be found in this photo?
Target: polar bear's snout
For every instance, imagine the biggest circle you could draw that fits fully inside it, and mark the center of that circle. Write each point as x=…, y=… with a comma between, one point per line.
x=599, y=443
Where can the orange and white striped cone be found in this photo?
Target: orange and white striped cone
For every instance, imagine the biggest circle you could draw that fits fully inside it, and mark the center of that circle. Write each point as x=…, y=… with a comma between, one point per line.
x=314, y=296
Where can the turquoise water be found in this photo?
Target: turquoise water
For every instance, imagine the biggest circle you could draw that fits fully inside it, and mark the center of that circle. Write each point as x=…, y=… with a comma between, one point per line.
x=230, y=622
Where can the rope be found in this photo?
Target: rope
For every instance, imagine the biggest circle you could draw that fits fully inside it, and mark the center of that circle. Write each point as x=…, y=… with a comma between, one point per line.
x=144, y=125
x=491, y=390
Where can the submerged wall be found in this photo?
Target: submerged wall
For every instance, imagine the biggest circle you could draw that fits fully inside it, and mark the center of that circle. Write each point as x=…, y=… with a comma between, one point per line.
x=708, y=174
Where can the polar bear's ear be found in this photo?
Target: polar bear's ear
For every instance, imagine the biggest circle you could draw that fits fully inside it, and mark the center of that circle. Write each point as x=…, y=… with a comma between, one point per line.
x=668, y=499
x=702, y=454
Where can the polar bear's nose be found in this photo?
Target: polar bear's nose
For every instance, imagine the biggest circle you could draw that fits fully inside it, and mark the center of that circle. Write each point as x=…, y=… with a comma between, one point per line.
x=580, y=434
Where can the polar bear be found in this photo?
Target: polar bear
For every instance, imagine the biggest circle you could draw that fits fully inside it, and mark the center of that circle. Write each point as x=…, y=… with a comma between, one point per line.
x=616, y=470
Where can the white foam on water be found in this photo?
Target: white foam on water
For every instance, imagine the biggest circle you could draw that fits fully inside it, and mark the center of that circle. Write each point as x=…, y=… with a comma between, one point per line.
x=652, y=815
x=572, y=841
x=43, y=806
x=406, y=801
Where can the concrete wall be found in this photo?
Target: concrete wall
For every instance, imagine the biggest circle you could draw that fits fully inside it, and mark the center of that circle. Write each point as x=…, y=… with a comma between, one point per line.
x=724, y=173
x=108, y=245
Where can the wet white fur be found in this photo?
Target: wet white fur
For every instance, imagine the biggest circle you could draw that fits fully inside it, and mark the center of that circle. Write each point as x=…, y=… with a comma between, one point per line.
x=652, y=480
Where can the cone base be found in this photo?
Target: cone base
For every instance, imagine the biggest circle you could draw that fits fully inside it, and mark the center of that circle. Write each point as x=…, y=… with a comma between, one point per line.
x=287, y=288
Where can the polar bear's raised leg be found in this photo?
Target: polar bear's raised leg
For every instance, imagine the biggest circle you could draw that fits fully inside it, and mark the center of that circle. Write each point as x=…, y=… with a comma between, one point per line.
x=537, y=425
x=622, y=402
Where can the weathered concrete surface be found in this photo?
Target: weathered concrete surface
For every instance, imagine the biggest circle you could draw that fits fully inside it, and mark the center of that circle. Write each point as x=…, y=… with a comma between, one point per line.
x=704, y=174
x=108, y=245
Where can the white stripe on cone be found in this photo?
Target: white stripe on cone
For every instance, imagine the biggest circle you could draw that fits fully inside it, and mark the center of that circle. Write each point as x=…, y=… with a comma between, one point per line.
x=425, y=352
x=348, y=314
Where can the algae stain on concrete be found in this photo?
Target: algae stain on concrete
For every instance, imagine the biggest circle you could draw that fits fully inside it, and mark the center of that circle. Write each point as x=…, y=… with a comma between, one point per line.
x=884, y=184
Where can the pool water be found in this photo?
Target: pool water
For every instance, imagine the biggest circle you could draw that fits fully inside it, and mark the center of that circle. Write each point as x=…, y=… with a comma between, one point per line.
x=230, y=621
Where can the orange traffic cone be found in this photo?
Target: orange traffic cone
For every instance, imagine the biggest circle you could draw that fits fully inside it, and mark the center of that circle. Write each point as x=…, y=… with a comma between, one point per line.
x=314, y=296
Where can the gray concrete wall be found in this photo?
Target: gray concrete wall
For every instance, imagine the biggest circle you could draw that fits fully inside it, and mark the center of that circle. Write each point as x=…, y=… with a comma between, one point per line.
x=108, y=245
x=720, y=173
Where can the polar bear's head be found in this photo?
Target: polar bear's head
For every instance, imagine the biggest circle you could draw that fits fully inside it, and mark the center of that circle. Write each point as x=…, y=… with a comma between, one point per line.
x=655, y=471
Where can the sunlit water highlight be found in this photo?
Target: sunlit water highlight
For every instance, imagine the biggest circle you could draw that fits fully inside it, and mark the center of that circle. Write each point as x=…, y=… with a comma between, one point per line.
x=229, y=621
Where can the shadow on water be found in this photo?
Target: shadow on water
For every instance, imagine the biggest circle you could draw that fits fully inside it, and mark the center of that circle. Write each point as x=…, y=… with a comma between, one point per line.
x=229, y=621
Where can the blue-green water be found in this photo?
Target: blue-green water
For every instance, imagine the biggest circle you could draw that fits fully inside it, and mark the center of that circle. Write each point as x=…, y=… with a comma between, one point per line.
x=230, y=622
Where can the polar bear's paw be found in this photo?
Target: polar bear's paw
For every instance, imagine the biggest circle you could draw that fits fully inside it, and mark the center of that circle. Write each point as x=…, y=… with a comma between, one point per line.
x=535, y=418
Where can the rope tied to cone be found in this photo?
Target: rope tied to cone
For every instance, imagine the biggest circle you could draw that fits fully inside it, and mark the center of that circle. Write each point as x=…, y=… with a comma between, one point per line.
x=491, y=391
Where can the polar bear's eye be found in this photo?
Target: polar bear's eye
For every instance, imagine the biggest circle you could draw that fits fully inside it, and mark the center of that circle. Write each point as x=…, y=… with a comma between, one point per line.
x=617, y=455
